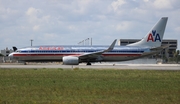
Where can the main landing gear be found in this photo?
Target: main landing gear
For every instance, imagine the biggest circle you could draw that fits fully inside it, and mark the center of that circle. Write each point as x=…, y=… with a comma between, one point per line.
x=88, y=63
x=25, y=63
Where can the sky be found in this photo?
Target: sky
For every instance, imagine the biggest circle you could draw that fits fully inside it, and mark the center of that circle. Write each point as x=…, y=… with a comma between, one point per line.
x=68, y=22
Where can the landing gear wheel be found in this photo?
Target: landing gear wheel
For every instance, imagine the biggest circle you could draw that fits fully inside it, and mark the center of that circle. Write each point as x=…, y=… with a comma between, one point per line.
x=25, y=63
x=88, y=63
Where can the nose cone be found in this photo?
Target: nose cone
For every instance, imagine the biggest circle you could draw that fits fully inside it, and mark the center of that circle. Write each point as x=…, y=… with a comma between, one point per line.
x=11, y=55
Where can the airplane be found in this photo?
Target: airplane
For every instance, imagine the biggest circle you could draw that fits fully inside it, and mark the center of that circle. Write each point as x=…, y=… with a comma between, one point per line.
x=75, y=54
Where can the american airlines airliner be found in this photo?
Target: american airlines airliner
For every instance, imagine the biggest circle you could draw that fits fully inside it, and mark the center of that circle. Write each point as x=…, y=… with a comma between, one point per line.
x=73, y=55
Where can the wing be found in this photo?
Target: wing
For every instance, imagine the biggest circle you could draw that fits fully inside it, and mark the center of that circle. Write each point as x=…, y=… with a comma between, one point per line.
x=98, y=53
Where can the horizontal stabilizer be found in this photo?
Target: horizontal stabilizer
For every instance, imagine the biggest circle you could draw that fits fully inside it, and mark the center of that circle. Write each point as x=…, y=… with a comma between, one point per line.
x=160, y=48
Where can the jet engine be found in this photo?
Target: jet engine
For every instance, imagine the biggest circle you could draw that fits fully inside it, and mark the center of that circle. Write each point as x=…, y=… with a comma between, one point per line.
x=70, y=60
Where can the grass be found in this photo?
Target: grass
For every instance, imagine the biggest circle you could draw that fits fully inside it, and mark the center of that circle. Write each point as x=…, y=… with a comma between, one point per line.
x=54, y=86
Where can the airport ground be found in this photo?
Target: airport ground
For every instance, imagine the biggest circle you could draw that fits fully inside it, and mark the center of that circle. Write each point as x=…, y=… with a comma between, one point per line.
x=94, y=66
x=104, y=83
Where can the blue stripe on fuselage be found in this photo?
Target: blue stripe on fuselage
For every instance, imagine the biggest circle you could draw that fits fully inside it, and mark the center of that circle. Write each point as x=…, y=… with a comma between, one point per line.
x=86, y=49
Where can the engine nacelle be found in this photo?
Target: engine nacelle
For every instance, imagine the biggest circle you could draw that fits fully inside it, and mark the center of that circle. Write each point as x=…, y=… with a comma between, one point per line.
x=70, y=60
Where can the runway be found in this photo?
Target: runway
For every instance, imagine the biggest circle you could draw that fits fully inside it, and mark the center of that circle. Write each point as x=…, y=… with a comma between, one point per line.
x=98, y=66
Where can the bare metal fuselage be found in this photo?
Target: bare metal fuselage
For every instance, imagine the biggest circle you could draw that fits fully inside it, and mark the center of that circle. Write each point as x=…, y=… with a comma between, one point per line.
x=56, y=53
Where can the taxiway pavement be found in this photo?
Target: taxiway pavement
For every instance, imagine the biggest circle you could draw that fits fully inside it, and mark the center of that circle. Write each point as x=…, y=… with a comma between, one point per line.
x=98, y=66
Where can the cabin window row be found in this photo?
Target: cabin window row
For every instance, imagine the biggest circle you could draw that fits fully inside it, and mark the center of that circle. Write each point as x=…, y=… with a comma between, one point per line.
x=73, y=51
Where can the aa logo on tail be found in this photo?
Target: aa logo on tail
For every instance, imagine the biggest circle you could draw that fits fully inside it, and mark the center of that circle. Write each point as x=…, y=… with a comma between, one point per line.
x=153, y=36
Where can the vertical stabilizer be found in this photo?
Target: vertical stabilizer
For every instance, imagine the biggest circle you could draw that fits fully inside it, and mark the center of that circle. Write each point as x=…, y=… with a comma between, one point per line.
x=155, y=35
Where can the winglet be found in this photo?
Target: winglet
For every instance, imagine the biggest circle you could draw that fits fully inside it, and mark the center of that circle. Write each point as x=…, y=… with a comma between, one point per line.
x=111, y=47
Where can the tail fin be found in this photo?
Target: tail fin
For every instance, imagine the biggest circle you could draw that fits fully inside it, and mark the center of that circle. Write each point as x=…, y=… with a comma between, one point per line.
x=154, y=36
x=14, y=48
